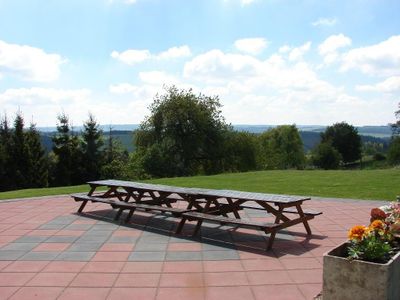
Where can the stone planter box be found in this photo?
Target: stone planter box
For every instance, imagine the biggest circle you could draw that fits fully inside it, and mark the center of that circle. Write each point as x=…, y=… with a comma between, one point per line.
x=344, y=279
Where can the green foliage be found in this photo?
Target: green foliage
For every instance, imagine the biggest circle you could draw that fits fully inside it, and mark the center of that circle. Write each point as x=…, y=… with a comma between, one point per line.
x=372, y=248
x=92, y=154
x=68, y=164
x=345, y=139
x=38, y=163
x=241, y=151
x=116, y=159
x=394, y=151
x=6, y=170
x=326, y=157
x=184, y=135
x=281, y=148
x=396, y=126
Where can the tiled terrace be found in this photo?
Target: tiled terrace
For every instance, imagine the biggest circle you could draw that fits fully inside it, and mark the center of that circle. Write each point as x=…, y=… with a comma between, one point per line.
x=47, y=251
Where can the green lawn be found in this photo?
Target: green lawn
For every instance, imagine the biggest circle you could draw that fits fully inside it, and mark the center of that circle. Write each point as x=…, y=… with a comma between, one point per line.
x=365, y=184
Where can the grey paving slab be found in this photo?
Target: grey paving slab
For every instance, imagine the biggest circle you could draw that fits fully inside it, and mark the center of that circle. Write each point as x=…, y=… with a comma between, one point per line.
x=143, y=246
x=154, y=239
x=220, y=255
x=183, y=255
x=122, y=239
x=19, y=246
x=46, y=255
x=52, y=226
x=91, y=232
x=147, y=256
x=11, y=255
x=76, y=256
x=206, y=246
x=61, y=239
x=92, y=238
x=84, y=247
x=105, y=227
x=63, y=220
x=31, y=239
x=78, y=226
x=184, y=239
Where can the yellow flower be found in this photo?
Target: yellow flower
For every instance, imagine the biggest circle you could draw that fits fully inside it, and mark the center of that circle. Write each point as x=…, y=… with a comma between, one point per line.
x=357, y=232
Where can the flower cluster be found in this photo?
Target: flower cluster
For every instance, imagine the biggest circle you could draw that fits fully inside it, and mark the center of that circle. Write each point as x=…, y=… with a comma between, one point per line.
x=378, y=241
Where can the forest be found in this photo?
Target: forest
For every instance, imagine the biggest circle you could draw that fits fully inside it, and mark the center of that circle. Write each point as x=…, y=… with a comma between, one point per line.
x=184, y=135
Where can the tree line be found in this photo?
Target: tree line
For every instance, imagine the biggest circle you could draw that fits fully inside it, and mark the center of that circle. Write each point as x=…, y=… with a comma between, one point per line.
x=184, y=135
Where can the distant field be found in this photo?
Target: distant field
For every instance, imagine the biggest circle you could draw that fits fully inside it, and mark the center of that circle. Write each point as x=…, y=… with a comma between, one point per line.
x=356, y=184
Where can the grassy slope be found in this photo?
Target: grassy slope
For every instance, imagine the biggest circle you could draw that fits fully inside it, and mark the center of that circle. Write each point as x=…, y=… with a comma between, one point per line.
x=366, y=184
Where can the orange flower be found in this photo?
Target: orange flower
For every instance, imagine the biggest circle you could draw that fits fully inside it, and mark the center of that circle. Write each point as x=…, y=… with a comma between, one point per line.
x=377, y=225
x=357, y=232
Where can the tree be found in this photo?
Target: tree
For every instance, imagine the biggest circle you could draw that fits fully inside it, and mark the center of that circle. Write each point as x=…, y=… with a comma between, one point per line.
x=6, y=169
x=345, y=139
x=394, y=151
x=20, y=154
x=67, y=169
x=241, y=151
x=92, y=149
x=116, y=159
x=282, y=148
x=38, y=163
x=326, y=157
x=184, y=135
x=396, y=126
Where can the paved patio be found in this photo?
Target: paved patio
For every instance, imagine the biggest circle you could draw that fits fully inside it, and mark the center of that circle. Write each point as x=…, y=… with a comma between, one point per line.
x=47, y=251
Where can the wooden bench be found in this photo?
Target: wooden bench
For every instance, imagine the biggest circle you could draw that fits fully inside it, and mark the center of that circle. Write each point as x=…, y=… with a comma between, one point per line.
x=132, y=206
x=268, y=228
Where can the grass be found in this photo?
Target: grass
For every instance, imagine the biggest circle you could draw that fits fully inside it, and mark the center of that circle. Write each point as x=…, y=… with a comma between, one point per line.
x=44, y=192
x=357, y=184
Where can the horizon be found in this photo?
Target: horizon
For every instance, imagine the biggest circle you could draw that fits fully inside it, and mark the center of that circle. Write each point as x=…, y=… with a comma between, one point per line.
x=269, y=62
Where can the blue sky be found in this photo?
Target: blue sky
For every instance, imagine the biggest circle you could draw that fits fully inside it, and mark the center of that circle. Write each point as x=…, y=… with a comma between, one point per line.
x=269, y=61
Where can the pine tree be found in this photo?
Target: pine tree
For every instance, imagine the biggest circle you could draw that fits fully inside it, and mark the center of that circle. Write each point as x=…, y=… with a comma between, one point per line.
x=6, y=170
x=38, y=164
x=92, y=149
x=20, y=153
x=66, y=149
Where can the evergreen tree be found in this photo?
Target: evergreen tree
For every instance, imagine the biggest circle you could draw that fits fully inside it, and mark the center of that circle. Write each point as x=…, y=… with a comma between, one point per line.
x=67, y=168
x=6, y=176
x=38, y=165
x=91, y=148
x=20, y=153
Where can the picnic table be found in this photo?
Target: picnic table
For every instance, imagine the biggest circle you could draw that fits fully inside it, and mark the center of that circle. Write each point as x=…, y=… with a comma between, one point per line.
x=200, y=205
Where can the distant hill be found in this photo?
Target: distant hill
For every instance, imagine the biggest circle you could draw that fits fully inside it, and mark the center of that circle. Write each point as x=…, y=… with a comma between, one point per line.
x=310, y=134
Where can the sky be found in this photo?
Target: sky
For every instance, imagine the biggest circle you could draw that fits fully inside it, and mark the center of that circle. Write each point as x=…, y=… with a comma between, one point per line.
x=305, y=62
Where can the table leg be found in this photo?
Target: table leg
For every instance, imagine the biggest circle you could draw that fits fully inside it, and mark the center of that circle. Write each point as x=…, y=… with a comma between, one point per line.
x=302, y=216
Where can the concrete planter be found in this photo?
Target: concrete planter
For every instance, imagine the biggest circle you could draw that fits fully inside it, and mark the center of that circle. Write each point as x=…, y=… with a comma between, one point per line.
x=344, y=279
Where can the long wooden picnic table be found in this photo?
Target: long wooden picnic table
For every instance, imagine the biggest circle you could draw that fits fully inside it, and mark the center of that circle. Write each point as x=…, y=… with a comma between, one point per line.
x=202, y=204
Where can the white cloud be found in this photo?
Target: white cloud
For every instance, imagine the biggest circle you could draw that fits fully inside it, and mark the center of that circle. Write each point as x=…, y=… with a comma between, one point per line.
x=131, y=57
x=29, y=63
x=122, y=88
x=175, y=52
x=298, y=52
x=382, y=59
x=329, y=48
x=390, y=85
x=325, y=22
x=252, y=46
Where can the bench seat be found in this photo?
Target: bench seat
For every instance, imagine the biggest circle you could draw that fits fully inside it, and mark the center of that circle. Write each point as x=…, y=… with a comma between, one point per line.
x=290, y=210
x=226, y=220
x=115, y=203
